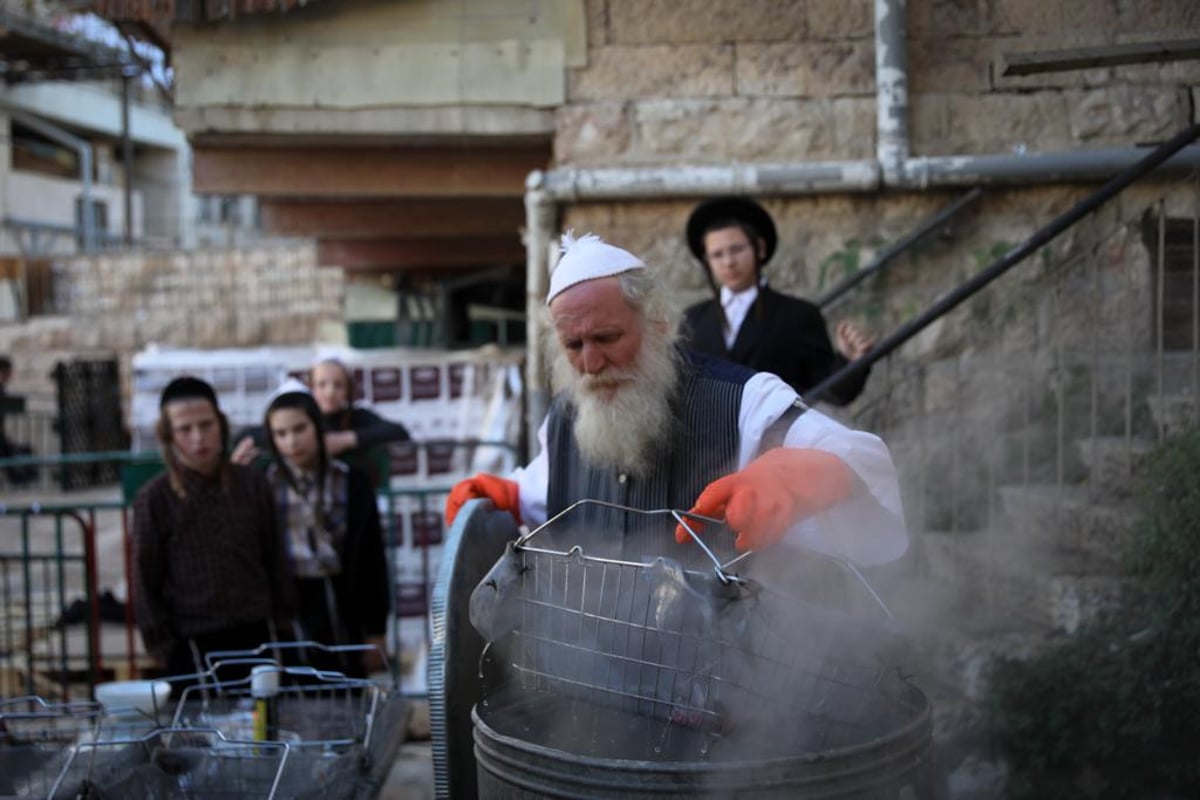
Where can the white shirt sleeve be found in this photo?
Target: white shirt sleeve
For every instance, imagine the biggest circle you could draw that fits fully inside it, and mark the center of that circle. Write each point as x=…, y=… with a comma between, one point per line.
x=533, y=482
x=868, y=527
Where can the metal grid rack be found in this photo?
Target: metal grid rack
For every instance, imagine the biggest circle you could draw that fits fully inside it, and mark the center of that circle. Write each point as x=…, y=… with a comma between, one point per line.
x=203, y=745
x=34, y=735
x=173, y=762
x=317, y=710
x=712, y=652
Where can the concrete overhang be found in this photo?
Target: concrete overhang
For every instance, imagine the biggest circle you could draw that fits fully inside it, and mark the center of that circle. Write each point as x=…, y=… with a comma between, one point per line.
x=67, y=104
x=463, y=125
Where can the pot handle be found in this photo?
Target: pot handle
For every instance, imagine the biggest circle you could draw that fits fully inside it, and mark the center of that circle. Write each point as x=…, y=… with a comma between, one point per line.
x=719, y=569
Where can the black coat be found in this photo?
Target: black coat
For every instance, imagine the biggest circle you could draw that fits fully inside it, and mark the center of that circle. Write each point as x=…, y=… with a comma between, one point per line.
x=364, y=591
x=781, y=334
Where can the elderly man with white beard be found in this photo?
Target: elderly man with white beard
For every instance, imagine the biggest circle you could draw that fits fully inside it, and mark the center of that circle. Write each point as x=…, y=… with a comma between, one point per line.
x=638, y=422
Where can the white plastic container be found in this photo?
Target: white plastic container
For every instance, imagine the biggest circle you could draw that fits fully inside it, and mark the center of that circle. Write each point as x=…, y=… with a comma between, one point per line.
x=122, y=698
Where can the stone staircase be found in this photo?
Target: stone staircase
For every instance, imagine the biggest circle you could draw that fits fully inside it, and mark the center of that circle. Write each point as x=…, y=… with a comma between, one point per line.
x=1049, y=563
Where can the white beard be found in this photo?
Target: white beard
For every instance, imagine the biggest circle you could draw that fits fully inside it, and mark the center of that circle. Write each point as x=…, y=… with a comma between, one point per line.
x=622, y=431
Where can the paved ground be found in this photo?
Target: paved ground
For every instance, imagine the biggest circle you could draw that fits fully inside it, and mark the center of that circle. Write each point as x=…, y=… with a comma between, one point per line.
x=411, y=777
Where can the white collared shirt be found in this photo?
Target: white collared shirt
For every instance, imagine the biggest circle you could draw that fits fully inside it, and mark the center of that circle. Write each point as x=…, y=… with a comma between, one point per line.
x=737, y=306
x=867, y=528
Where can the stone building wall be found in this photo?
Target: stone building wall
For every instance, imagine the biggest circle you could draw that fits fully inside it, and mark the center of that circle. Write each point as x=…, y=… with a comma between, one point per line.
x=715, y=81
x=692, y=82
x=116, y=304
x=991, y=413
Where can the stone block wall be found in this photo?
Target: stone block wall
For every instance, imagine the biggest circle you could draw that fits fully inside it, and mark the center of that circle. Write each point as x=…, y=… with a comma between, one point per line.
x=714, y=81
x=116, y=304
x=685, y=82
x=822, y=238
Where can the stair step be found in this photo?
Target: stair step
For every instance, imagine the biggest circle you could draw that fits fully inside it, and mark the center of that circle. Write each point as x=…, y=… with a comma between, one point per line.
x=1113, y=462
x=1174, y=412
x=995, y=583
x=1069, y=520
x=949, y=659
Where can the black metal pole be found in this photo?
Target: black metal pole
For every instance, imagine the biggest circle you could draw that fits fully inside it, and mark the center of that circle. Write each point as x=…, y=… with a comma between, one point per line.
x=917, y=234
x=1010, y=259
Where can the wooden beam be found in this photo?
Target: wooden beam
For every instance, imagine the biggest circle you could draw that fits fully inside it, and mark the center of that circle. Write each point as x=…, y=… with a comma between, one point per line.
x=342, y=172
x=409, y=255
x=1109, y=55
x=425, y=217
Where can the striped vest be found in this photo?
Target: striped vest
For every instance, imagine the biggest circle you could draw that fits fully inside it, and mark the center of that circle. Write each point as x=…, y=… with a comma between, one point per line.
x=702, y=447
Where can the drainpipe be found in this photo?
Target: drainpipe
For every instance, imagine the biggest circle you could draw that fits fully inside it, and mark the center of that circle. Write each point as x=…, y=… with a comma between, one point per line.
x=620, y=183
x=891, y=89
x=1087, y=165
x=540, y=221
x=84, y=149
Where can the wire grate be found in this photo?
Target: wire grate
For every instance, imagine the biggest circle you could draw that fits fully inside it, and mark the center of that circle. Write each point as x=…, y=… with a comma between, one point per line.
x=173, y=763
x=33, y=736
x=712, y=652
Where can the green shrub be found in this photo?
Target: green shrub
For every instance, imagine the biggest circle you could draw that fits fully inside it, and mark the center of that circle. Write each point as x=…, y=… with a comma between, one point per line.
x=1114, y=712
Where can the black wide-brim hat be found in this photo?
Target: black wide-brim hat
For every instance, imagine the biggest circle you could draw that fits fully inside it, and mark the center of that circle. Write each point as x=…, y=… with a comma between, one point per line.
x=741, y=209
x=188, y=388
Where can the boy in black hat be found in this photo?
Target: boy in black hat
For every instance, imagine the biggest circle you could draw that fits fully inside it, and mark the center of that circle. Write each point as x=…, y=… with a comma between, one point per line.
x=748, y=322
x=210, y=572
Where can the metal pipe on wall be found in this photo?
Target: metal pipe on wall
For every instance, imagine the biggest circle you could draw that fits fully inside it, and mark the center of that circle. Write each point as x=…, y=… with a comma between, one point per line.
x=621, y=183
x=539, y=236
x=891, y=89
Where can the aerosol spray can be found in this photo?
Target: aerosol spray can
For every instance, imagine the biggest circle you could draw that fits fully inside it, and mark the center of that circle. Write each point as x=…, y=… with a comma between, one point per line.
x=264, y=688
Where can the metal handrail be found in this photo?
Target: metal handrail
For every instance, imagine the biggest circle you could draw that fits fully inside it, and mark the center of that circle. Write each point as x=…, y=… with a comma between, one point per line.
x=1015, y=256
x=889, y=254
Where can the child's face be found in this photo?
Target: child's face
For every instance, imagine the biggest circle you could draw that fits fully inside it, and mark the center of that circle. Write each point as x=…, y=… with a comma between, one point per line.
x=295, y=437
x=195, y=434
x=329, y=387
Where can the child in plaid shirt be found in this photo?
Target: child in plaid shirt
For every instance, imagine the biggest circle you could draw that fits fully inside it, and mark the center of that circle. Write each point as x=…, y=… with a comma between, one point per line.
x=330, y=528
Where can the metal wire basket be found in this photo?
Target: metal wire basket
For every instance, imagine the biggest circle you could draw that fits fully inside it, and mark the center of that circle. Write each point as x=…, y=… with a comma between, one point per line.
x=706, y=651
x=173, y=762
x=342, y=658
x=34, y=737
x=347, y=729
x=317, y=710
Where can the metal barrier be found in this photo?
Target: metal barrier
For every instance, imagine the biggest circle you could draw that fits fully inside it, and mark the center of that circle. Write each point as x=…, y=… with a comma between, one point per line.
x=414, y=525
x=30, y=427
x=47, y=565
x=51, y=632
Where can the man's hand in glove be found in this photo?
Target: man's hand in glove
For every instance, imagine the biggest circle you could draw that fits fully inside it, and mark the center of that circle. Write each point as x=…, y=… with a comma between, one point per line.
x=502, y=493
x=772, y=493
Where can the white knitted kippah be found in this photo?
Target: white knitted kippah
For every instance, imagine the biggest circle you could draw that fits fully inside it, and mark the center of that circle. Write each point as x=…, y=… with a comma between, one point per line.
x=588, y=258
x=288, y=387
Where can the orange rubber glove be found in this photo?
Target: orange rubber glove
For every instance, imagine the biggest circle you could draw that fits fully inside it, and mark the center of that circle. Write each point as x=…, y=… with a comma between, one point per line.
x=502, y=493
x=772, y=493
